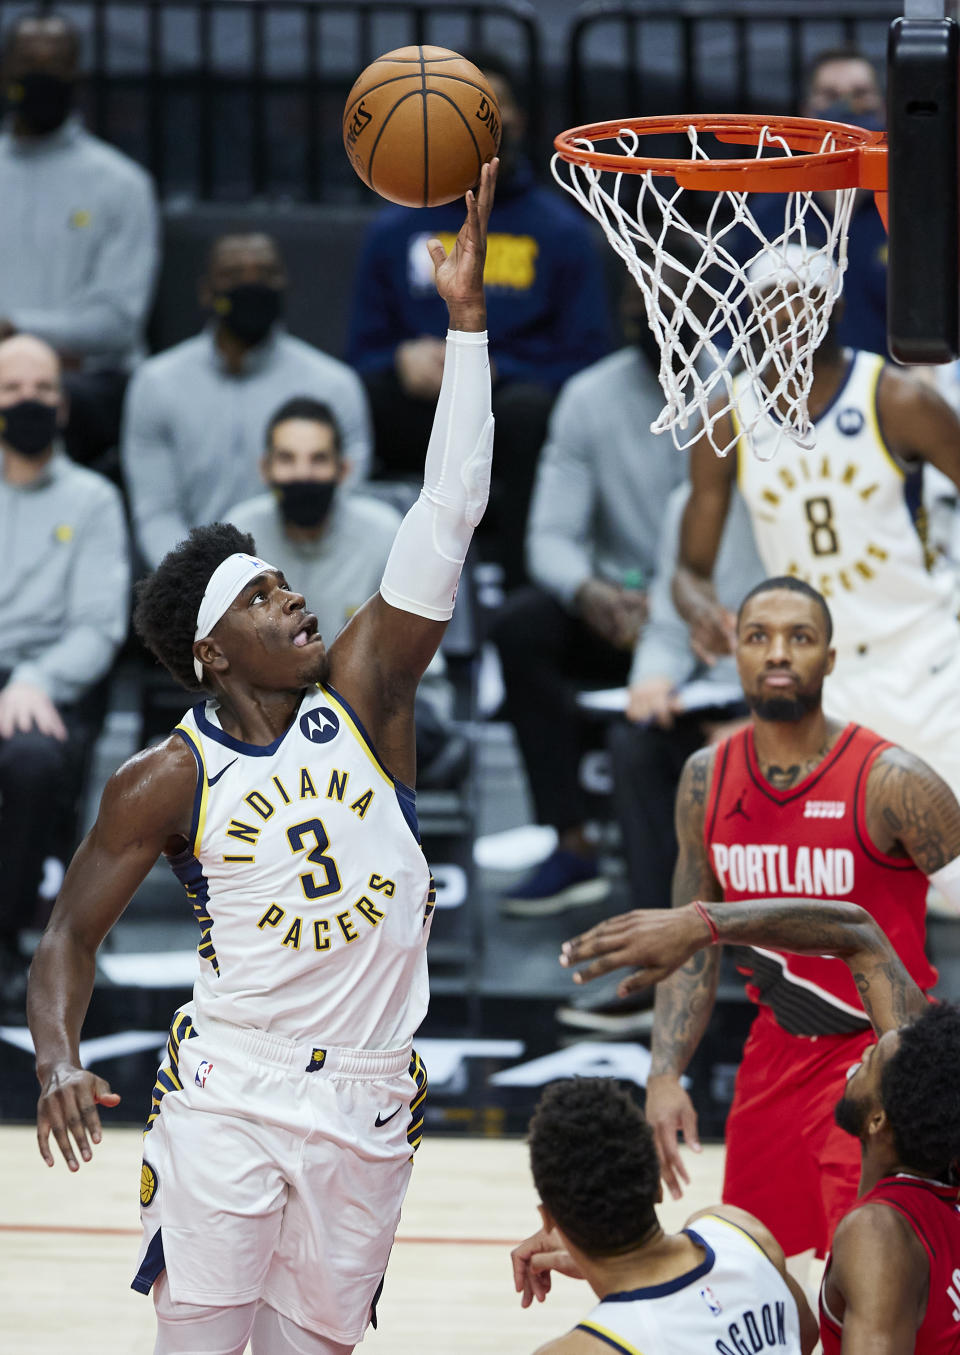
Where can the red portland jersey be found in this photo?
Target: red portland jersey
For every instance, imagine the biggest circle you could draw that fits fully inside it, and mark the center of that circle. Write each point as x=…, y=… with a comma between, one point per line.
x=932, y=1211
x=812, y=841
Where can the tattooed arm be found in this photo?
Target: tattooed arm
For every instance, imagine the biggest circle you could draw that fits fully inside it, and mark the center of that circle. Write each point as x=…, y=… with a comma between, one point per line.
x=911, y=811
x=685, y=1000
x=659, y=942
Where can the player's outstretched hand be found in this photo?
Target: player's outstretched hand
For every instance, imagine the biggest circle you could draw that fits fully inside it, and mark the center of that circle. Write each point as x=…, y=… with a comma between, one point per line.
x=459, y=274
x=651, y=941
x=670, y=1112
x=68, y=1106
x=533, y=1259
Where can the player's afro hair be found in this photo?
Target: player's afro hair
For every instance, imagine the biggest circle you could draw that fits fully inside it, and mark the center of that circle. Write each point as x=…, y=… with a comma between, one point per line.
x=168, y=600
x=920, y=1092
x=594, y=1164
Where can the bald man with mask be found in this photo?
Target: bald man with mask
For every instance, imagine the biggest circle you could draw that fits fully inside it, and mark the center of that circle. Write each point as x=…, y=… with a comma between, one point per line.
x=79, y=234
x=63, y=615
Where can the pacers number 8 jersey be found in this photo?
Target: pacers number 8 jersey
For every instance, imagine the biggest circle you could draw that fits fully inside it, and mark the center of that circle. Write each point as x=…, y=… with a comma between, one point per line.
x=306, y=875
x=845, y=517
x=735, y=1301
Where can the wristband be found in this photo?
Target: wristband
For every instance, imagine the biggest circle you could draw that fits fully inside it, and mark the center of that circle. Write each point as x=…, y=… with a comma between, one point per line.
x=714, y=934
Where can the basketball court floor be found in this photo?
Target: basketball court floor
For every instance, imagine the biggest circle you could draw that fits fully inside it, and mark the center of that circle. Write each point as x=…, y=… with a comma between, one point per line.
x=68, y=1248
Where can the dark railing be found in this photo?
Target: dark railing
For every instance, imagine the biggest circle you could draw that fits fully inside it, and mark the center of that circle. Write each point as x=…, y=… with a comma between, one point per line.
x=240, y=99
x=694, y=56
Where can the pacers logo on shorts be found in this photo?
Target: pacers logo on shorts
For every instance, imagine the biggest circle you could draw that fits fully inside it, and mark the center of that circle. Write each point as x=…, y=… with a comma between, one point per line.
x=148, y=1183
x=317, y=1059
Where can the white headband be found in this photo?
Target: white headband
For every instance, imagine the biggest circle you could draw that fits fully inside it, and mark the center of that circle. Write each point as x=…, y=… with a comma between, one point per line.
x=225, y=583
x=795, y=263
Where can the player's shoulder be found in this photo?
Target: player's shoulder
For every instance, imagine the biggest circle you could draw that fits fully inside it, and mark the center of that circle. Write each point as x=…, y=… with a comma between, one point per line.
x=744, y=1225
x=157, y=782
x=874, y=1227
x=695, y=780
x=574, y=1342
x=895, y=764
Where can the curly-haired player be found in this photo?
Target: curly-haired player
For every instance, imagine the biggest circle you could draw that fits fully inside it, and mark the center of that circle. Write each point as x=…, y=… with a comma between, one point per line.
x=720, y=1285
x=892, y=1281
x=280, y=1139
x=891, y=1284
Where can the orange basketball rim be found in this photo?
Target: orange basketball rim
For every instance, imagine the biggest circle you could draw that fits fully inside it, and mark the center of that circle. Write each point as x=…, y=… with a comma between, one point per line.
x=857, y=158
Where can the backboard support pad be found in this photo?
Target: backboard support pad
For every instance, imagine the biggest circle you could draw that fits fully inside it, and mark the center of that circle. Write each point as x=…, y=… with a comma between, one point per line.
x=923, y=291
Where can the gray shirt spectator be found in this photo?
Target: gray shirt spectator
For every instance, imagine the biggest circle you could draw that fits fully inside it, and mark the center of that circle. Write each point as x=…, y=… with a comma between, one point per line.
x=663, y=650
x=63, y=550
x=602, y=480
x=339, y=570
x=78, y=244
x=63, y=614
x=193, y=431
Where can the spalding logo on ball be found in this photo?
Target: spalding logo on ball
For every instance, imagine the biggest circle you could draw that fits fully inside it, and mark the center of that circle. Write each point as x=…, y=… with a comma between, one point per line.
x=419, y=124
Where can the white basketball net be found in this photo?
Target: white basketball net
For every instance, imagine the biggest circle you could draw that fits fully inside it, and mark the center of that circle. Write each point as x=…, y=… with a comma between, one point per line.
x=719, y=316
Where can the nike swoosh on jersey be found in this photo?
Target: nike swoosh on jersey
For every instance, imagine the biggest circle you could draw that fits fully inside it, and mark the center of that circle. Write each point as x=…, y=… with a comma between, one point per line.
x=212, y=780
x=378, y=1122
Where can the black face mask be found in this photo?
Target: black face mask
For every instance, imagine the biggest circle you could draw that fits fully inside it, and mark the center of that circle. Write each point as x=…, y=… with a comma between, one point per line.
x=29, y=426
x=250, y=310
x=305, y=503
x=41, y=101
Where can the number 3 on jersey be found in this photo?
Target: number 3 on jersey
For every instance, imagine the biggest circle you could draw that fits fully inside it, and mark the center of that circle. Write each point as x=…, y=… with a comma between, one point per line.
x=299, y=837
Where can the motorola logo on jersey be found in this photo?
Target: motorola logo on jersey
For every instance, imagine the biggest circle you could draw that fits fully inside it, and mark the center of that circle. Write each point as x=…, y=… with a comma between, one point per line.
x=850, y=420
x=320, y=725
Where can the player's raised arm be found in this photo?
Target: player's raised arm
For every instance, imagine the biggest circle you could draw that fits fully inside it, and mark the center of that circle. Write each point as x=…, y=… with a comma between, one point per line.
x=380, y=657
x=145, y=807
x=701, y=529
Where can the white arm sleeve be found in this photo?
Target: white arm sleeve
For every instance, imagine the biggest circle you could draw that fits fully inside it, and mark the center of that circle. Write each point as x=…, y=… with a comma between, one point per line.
x=423, y=569
x=946, y=881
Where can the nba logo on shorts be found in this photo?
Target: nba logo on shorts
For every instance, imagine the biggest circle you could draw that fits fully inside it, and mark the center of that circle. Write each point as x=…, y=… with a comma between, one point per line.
x=320, y=725
x=710, y=1299
x=850, y=421
x=202, y=1073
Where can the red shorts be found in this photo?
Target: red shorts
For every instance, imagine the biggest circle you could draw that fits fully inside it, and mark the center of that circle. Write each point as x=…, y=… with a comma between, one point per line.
x=787, y=1162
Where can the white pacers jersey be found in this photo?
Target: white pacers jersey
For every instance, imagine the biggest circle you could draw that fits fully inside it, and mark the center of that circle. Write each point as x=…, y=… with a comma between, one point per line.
x=308, y=881
x=846, y=517
x=734, y=1303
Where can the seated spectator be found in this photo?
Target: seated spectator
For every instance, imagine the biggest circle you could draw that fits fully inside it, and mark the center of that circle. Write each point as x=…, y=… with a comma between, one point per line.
x=63, y=553
x=842, y=86
x=333, y=548
x=195, y=415
x=331, y=545
x=676, y=704
x=598, y=503
x=547, y=311
x=78, y=233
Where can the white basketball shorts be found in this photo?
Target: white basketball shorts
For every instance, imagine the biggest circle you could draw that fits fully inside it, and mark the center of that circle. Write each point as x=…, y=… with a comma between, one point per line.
x=276, y=1169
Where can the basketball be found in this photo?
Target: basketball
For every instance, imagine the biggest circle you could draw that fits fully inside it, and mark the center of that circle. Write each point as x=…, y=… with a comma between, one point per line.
x=418, y=125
